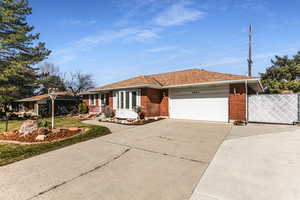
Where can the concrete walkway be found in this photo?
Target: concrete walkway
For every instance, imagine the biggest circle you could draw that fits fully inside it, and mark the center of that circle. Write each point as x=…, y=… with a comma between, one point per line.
x=256, y=167
x=162, y=160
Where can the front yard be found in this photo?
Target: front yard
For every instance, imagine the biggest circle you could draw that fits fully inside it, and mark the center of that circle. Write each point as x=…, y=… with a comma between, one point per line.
x=14, y=152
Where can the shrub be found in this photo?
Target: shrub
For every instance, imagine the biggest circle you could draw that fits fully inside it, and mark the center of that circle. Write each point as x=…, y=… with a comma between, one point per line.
x=239, y=123
x=44, y=123
x=108, y=112
x=138, y=109
x=82, y=108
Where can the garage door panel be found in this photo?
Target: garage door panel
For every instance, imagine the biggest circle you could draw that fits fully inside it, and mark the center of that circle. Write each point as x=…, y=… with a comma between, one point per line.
x=207, y=104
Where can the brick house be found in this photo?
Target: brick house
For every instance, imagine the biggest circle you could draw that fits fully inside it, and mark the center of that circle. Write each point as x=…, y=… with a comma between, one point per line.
x=41, y=105
x=189, y=94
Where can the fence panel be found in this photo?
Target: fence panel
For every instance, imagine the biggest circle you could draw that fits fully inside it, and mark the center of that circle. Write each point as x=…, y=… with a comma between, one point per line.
x=273, y=108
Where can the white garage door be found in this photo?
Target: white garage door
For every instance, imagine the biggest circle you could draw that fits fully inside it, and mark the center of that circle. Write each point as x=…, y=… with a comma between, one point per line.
x=205, y=103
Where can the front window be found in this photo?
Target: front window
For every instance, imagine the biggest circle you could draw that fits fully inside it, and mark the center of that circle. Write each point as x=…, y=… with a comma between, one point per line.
x=122, y=100
x=126, y=99
x=92, y=99
x=133, y=99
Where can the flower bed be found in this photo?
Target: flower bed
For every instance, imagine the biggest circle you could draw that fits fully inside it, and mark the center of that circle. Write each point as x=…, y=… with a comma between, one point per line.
x=130, y=122
x=51, y=135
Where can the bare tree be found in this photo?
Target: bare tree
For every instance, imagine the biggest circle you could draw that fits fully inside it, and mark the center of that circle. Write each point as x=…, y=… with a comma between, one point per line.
x=49, y=76
x=47, y=68
x=79, y=82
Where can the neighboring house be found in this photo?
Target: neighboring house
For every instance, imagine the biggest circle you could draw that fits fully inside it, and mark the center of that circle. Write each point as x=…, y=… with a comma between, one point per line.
x=189, y=94
x=41, y=104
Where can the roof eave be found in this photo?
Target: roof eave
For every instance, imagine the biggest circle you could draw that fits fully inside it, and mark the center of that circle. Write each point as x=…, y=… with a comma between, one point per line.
x=128, y=87
x=213, y=83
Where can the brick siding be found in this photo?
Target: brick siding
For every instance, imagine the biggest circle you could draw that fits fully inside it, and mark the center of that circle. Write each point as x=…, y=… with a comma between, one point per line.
x=164, y=104
x=154, y=102
x=86, y=101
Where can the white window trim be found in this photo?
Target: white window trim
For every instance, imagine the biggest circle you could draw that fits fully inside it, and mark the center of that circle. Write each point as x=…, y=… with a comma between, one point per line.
x=94, y=103
x=118, y=95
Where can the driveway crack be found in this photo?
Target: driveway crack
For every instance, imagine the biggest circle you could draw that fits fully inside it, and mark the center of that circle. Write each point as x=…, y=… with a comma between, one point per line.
x=80, y=175
x=156, y=152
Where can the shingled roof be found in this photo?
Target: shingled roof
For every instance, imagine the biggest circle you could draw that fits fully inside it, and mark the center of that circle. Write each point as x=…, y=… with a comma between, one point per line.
x=190, y=76
x=45, y=96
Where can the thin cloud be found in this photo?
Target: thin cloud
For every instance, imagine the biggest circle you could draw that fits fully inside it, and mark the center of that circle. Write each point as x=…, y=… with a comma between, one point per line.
x=233, y=60
x=71, y=50
x=178, y=14
x=79, y=22
x=160, y=49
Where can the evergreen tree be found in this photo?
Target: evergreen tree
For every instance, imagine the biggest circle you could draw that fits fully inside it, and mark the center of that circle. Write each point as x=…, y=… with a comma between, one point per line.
x=19, y=51
x=284, y=74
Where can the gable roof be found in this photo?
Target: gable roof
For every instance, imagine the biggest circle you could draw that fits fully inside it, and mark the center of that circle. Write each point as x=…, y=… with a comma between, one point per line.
x=45, y=96
x=191, y=76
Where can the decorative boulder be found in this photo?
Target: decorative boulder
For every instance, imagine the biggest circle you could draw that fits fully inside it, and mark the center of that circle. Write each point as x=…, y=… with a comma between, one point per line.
x=40, y=138
x=43, y=131
x=10, y=133
x=28, y=127
x=75, y=129
x=56, y=130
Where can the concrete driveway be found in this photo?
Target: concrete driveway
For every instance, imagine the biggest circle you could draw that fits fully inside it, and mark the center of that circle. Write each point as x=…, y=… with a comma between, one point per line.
x=255, y=162
x=162, y=160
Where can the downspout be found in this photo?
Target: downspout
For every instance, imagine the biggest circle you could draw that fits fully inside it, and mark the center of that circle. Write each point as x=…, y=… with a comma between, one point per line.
x=246, y=102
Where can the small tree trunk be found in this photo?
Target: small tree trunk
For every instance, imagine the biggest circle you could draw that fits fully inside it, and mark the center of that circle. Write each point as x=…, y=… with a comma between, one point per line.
x=6, y=123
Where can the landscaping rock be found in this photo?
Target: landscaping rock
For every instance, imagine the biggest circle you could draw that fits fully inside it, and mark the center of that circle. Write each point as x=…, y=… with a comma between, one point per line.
x=10, y=133
x=75, y=129
x=56, y=130
x=40, y=138
x=43, y=131
x=28, y=127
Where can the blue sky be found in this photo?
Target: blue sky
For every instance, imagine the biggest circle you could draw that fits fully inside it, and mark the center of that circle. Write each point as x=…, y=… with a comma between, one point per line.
x=118, y=39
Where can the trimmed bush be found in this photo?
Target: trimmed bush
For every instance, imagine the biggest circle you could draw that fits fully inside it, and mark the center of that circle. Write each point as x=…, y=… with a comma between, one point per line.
x=82, y=108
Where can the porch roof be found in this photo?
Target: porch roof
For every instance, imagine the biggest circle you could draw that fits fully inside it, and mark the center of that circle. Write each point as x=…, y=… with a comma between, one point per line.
x=46, y=96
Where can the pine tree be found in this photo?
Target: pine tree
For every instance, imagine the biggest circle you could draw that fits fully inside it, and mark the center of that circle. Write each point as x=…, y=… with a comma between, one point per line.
x=19, y=51
x=284, y=74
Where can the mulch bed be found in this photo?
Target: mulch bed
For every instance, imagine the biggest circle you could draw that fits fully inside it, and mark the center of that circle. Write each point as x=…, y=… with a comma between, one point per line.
x=135, y=123
x=51, y=136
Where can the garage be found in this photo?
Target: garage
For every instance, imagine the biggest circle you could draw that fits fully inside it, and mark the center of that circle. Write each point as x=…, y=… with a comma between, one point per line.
x=201, y=103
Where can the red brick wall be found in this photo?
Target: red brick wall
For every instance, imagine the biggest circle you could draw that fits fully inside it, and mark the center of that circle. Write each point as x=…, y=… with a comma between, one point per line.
x=85, y=100
x=164, y=104
x=150, y=101
x=154, y=102
x=110, y=99
x=237, y=101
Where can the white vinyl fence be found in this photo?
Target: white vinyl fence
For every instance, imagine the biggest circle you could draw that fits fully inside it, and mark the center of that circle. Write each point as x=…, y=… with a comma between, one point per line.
x=273, y=108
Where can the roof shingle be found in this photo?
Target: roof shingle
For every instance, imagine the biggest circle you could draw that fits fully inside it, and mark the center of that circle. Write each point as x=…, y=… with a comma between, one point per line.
x=46, y=96
x=175, y=78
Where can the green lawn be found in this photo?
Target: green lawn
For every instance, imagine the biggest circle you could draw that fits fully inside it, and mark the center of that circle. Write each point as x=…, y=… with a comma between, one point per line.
x=14, y=152
x=60, y=122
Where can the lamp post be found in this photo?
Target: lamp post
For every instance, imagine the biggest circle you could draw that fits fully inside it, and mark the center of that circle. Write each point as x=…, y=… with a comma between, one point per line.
x=53, y=96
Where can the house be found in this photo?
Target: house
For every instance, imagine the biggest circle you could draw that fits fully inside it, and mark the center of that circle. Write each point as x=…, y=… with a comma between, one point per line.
x=189, y=94
x=41, y=105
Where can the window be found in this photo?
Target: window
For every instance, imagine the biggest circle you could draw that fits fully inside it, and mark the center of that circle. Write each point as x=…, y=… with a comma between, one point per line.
x=127, y=100
x=118, y=100
x=133, y=99
x=102, y=99
x=92, y=99
x=122, y=100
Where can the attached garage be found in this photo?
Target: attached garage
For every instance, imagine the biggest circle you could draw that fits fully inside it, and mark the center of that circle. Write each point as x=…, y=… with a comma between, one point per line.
x=201, y=103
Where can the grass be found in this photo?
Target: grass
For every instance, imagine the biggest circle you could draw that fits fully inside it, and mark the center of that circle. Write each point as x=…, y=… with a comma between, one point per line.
x=10, y=153
x=60, y=122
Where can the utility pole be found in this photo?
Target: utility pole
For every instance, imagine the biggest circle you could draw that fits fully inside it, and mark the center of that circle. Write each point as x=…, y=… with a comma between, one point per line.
x=250, y=62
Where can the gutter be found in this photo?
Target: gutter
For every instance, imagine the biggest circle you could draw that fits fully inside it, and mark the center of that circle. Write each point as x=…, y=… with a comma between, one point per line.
x=129, y=87
x=213, y=83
